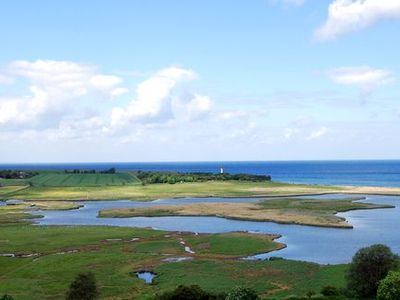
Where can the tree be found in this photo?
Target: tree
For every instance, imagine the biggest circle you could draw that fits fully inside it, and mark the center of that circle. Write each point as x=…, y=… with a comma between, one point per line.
x=368, y=267
x=242, y=293
x=83, y=288
x=389, y=287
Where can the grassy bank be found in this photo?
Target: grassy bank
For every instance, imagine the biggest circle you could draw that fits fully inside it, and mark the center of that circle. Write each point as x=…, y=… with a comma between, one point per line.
x=196, y=189
x=290, y=211
x=14, y=214
x=60, y=252
x=157, y=191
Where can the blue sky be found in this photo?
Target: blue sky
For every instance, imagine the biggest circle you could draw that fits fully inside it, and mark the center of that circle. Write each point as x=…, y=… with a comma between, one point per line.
x=199, y=80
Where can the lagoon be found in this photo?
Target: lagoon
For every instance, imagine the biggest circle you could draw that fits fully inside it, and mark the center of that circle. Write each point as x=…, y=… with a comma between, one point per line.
x=307, y=243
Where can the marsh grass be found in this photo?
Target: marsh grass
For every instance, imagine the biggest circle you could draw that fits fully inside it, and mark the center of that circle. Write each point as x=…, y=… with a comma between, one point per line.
x=283, y=210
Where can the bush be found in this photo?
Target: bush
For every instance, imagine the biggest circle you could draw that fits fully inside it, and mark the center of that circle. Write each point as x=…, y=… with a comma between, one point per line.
x=83, y=288
x=369, y=266
x=193, y=292
x=6, y=297
x=389, y=288
x=242, y=293
x=329, y=291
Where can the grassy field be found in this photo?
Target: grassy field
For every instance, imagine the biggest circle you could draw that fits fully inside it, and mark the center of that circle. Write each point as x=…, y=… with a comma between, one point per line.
x=4, y=190
x=114, y=253
x=77, y=180
x=236, y=243
x=157, y=191
x=13, y=182
x=290, y=211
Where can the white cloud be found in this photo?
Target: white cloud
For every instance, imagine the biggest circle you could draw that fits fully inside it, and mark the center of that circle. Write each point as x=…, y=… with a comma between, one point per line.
x=363, y=77
x=353, y=15
x=291, y=132
x=318, y=133
x=60, y=100
x=153, y=103
x=198, y=107
x=55, y=90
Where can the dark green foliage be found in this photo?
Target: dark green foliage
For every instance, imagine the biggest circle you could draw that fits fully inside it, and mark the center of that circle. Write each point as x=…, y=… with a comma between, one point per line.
x=6, y=297
x=329, y=291
x=173, y=177
x=309, y=294
x=242, y=293
x=16, y=174
x=389, y=287
x=369, y=266
x=273, y=258
x=83, y=288
x=193, y=292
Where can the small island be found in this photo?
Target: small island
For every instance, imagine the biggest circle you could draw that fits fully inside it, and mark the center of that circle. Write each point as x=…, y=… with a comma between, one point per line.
x=285, y=210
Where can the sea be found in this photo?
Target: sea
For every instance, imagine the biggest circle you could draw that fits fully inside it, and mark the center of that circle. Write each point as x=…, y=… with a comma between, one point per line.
x=382, y=173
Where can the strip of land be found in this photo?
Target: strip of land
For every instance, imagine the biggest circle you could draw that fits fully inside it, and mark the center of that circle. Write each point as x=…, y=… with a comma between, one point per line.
x=18, y=213
x=107, y=185
x=288, y=211
x=182, y=190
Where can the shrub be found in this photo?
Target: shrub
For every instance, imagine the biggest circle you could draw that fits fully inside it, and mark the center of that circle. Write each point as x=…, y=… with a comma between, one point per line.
x=389, y=287
x=83, y=288
x=193, y=292
x=368, y=267
x=242, y=293
x=329, y=291
x=6, y=297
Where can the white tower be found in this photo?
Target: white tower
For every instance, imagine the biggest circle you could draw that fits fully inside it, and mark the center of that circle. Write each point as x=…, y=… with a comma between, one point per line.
x=221, y=170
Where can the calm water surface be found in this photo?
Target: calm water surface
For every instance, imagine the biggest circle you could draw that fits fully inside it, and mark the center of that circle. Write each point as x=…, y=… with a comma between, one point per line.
x=322, y=245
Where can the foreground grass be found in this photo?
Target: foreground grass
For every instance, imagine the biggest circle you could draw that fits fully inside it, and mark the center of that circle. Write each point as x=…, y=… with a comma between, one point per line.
x=114, y=253
x=290, y=211
x=157, y=191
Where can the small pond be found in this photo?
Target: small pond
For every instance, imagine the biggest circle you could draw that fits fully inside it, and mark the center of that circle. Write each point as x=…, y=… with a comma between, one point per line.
x=146, y=276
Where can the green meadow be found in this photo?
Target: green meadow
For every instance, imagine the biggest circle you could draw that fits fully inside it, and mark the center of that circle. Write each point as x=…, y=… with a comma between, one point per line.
x=77, y=180
x=114, y=254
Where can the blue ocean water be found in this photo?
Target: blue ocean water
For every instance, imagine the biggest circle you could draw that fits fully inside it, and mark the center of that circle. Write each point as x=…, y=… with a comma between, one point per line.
x=361, y=172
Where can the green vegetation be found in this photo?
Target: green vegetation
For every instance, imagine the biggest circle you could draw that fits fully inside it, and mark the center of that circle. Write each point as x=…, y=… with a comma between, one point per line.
x=369, y=266
x=17, y=174
x=193, y=292
x=50, y=257
x=12, y=214
x=78, y=180
x=84, y=287
x=329, y=291
x=389, y=287
x=282, y=210
x=157, y=191
x=242, y=293
x=237, y=243
x=174, y=177
x=4, y=190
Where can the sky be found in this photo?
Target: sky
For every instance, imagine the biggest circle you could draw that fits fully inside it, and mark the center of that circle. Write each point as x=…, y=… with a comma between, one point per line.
x=173, y=80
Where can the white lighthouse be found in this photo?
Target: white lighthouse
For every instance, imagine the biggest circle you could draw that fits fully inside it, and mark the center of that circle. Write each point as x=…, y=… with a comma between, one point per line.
x=221, y=170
